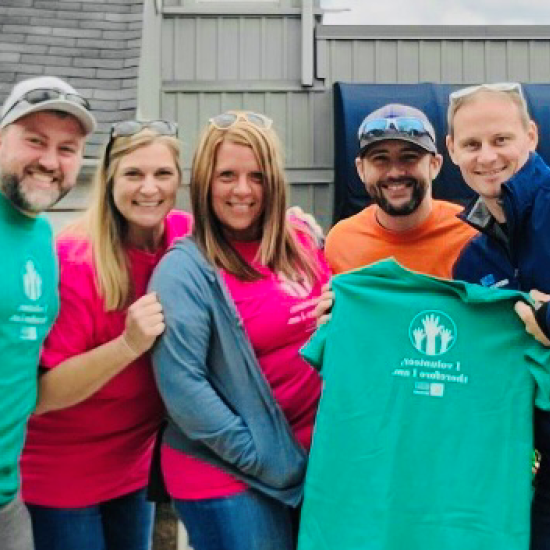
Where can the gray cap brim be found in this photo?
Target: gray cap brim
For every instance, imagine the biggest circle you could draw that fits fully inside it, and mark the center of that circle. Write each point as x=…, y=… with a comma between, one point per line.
x=22, y=109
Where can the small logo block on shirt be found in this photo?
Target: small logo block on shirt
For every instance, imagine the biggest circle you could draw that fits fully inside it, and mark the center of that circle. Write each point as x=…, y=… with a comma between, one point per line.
x=28, y=333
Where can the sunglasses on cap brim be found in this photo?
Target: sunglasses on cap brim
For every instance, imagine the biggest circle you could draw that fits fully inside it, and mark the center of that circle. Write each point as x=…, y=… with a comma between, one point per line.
x=42, y=95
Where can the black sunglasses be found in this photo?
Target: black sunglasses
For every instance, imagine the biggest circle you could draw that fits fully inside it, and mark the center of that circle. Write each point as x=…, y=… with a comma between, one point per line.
x=128, y=128
x=41, y=95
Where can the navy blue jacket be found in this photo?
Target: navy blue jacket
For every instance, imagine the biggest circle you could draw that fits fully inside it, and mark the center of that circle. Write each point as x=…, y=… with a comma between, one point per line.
x=220, y=407
x=516, y=255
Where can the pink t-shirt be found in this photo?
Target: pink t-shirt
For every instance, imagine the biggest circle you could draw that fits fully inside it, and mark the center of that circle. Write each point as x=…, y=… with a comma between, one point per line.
x=101, y=448
x=275, y=316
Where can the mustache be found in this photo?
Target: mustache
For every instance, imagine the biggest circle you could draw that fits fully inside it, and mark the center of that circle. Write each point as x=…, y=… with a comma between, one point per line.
x=41, y=170
x=405, y=179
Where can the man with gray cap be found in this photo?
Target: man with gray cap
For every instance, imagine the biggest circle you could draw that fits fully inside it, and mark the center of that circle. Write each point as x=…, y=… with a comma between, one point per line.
x=397, y=162
x=43, y=127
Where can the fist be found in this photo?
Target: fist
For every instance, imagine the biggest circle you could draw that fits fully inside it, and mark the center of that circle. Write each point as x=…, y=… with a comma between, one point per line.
x=144, y=322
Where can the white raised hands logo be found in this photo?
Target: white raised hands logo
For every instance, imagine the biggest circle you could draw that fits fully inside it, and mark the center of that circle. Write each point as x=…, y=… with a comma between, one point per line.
x=432, y=332
x=32, y=282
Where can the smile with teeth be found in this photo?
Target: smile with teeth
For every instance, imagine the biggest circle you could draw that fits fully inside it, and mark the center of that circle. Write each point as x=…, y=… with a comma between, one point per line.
x=41, y=177
x=489, y=173
x=240, y=206
x=396, y=186
x=148, y=204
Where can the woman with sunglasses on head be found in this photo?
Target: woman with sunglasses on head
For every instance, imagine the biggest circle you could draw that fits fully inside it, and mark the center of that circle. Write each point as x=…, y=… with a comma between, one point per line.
x=88, y=450
x=237, y=299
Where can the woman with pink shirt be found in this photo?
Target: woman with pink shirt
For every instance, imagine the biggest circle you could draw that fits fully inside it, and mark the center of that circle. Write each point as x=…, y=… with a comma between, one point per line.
x=237, y=299
x=88, y=449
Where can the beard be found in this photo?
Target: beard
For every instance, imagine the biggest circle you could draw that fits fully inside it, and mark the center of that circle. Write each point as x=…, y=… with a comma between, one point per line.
x=419, y=188
x=27, y=199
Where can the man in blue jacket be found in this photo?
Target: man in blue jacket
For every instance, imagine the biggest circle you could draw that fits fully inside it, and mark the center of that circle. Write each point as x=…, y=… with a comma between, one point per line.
x=492, y=139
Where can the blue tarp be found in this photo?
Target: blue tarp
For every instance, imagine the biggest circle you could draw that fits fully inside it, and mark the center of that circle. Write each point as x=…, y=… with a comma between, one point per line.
x=352, y=102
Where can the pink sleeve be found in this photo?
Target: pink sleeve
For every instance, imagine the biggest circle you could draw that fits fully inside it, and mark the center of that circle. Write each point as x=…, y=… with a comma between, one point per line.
x=178, y=224
x=317, y=254
x=74, y=329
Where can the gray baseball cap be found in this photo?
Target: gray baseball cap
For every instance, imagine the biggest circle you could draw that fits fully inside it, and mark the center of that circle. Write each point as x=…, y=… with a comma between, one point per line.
x=45, y=93
x=396, y=121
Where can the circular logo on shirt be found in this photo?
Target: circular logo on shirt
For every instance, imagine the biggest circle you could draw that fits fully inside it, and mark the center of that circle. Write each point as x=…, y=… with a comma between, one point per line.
x=432, y=332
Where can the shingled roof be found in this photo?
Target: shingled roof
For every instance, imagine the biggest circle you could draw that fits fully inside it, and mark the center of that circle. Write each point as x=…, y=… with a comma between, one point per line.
x=92, y=44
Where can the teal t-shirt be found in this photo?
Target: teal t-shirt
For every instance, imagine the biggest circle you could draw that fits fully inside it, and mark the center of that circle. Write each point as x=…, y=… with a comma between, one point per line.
x=28, y=306
x=424, y=435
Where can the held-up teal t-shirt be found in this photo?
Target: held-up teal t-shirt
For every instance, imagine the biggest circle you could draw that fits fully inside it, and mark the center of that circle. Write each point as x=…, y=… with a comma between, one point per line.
x=424, y=435
x=28, y=306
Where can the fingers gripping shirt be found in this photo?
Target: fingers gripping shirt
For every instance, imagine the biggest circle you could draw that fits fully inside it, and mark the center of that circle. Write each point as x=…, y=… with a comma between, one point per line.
x=423, y=438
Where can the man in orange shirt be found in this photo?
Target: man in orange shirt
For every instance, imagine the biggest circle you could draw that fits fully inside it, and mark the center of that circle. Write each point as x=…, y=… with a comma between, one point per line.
x=397, y=162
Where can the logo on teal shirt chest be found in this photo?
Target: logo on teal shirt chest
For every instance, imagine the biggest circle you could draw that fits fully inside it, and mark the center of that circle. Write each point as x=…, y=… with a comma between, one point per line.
x=432, y=332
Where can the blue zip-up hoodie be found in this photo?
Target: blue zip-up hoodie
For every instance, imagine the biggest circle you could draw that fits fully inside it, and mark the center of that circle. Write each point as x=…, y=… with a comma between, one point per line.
x=220, y=406
x=515, y=256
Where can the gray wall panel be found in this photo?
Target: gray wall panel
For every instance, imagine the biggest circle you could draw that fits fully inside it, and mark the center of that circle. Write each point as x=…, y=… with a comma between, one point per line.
x=363, y=59
x=474, y=60
x=496, y=61
x=228, y=49
x=408, y=61
x=183, y=64
x=518, y=61
x=168, y=50
x=451, y=61
x=274, y=62
x=430, y=69
x=206, y=47
x=539, y=60
x=386, y=61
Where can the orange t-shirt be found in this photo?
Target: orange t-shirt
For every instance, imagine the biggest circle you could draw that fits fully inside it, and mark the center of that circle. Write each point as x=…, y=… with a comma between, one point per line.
x=431, y=248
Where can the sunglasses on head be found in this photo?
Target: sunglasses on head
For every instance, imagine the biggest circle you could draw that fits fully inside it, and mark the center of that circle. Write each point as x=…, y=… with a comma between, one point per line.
x=410, y=126
x=128, y=128
x=41, y=95
x=226, y=120
x=497, y=87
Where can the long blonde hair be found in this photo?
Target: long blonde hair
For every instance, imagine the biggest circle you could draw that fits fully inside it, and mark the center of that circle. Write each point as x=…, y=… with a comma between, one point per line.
x=279, y=249
x=104, y=226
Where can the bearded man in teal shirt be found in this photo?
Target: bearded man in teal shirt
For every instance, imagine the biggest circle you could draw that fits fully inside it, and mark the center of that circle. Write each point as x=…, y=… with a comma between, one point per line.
x=43, y=128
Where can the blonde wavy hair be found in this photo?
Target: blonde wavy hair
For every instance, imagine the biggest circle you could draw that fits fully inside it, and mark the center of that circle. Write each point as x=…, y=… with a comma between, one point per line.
x=104, y=227
x=279, y=249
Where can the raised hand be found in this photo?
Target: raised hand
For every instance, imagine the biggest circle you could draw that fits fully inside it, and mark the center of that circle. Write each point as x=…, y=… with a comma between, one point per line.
x=446, y=337
x=419, y=336
x=432, y=328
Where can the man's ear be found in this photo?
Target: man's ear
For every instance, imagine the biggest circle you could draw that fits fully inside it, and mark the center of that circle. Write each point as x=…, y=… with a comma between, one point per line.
x=436, y=162
x=533, y=133
x=449, y=142
x=359, y=167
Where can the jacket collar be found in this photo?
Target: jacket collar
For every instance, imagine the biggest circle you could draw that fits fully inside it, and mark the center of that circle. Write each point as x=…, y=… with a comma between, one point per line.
x=478, y=216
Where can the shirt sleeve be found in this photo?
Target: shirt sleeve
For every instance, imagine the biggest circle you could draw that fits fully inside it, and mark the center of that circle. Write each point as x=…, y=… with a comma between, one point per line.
x=74, y=329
